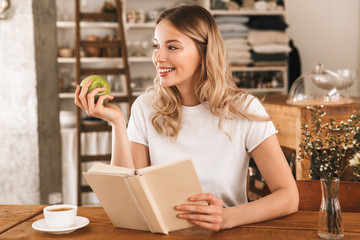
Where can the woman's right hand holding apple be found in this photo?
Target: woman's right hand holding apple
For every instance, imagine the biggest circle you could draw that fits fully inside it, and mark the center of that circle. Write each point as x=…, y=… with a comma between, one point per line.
x=86, y=101
x=121, y=154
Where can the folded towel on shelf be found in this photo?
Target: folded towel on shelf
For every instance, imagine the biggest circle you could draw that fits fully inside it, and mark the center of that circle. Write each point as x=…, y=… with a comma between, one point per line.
x=236, y=41
x=268, y=23
x=239, y=61
x=232, y=27
x=228, y=35
x=270, y=63
x=239, y=54
x=238, y=51
x=237, y=44
x=268, y=57
x=261, y=37
x=272, y=48
x=231, y=19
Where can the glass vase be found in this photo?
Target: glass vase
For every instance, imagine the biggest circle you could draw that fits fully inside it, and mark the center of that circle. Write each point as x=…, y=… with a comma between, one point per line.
x=330, y=219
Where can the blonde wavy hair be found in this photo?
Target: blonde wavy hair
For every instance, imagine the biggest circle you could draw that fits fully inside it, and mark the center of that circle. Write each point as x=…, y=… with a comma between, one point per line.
x=215, y=88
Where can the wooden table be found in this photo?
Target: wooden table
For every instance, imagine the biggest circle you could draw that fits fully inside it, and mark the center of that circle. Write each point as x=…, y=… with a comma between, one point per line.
x=301, y=225
x=289, y=118
x=13, y=215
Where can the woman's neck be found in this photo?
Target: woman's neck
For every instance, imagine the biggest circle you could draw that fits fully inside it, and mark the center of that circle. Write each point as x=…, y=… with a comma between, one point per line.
x=188, y=97
x=189, y=102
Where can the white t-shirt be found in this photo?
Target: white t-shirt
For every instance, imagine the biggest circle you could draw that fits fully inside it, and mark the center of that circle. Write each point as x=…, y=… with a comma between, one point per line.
x=221, y=163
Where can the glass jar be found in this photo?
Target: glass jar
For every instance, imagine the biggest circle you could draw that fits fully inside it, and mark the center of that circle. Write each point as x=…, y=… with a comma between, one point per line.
x=330, y=216
x=322, y=87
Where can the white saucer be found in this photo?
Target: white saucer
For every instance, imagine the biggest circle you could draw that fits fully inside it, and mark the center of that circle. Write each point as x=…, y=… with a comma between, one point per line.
x=79, y=222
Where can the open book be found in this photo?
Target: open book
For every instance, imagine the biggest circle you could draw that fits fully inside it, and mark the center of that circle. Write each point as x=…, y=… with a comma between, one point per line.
x=144, y=199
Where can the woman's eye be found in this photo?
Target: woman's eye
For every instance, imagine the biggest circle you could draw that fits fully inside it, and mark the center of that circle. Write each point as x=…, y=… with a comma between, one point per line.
x=172, y=48
x=156, y=46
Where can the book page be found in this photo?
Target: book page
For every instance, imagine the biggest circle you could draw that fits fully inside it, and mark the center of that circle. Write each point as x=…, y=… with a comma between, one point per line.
x=144, y=170
x=170, y=185
x=146, y=203
x=117, y=200
x=109, y=169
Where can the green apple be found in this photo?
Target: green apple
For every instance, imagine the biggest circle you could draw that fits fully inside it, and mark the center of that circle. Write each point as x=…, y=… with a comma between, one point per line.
x=97, y=82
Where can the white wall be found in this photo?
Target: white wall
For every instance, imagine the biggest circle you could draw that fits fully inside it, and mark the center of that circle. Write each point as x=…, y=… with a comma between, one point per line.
x=327, y=31
x=19, y=155
x=30, y=153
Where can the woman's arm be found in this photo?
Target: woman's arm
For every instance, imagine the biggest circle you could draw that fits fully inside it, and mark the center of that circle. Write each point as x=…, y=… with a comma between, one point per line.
x=123, y=149
x=140, y=155
x=123, y=153
x=284, y=199
x=276, y=172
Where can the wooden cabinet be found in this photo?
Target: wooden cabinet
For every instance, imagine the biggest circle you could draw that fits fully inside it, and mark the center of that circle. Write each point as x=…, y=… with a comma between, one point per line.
x=289, y=118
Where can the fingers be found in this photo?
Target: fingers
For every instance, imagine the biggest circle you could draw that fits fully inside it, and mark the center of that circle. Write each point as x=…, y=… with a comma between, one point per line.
x=102, y=99
x=195, y=208
x=208, y=197
x=91, y=97
x=201, y=217
x=209, y=221
x=86, y=101
x=97, y=109
x=206, y=216
x=77, y=100
x=83, y=95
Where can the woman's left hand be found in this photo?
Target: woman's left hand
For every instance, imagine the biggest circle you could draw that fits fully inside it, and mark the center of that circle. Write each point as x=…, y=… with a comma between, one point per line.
x=210, y=216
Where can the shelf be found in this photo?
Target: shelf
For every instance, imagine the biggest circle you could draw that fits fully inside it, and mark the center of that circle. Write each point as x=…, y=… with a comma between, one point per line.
x=139, y=59
x=67, y=95
x=149, y=25
x=248, y=12
x=258, y=69
x=91, y=60
x=101, y=44
x=102, y=71
x=102, y=17
x=90, y=24
x=71, y=24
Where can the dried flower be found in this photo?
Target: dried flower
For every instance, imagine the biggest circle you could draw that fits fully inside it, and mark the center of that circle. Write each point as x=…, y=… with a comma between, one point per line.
x=329, y=146
x=355, y=164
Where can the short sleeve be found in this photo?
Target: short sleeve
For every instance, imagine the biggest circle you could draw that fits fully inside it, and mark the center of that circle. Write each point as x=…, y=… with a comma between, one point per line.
x=136, y=130
x=257, y=131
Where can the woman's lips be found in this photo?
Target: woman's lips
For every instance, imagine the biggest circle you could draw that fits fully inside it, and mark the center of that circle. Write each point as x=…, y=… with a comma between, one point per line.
x=165, y=71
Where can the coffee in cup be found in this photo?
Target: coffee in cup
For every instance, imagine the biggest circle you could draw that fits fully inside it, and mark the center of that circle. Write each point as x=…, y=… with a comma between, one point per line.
x=60, y=216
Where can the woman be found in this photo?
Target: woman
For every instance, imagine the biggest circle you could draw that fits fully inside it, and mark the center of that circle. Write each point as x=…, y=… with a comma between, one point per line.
x=195, y=110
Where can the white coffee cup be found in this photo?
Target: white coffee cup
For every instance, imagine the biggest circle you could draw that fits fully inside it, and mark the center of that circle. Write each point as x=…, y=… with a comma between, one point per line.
x=60, y=216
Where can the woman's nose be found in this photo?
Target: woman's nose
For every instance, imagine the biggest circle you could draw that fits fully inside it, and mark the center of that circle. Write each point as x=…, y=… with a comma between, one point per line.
x=159, y=55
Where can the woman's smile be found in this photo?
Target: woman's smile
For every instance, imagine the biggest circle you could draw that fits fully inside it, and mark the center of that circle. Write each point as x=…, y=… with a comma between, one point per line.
x=163, y=72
